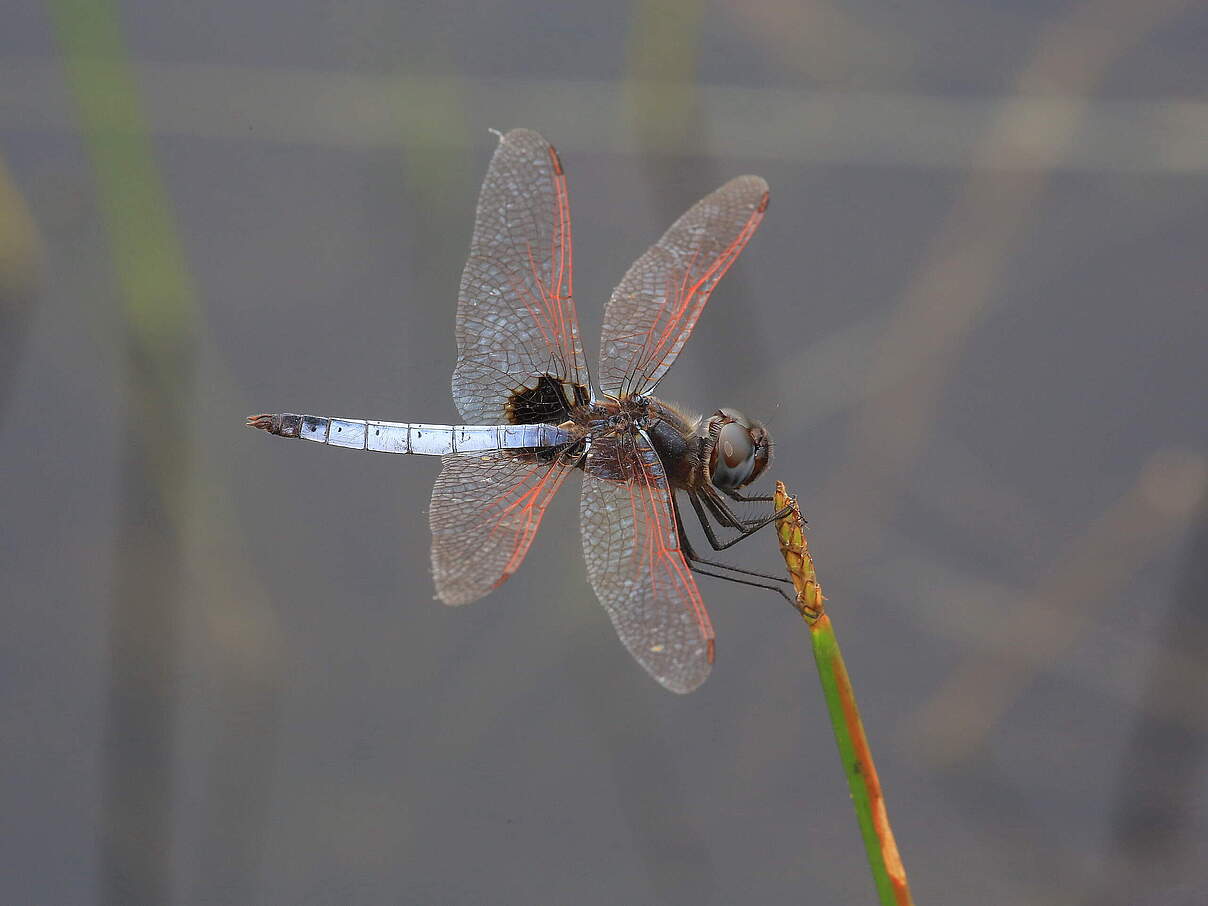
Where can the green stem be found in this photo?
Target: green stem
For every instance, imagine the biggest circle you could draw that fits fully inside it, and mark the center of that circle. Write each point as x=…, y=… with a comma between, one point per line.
x=887, y=870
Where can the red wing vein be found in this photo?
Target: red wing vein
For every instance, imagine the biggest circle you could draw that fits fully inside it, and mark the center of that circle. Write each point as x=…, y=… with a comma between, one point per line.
x=672, y=557
x=534, y=508
x=654, y=309
x=515, y=316
x=484, y=514
x=634, y=562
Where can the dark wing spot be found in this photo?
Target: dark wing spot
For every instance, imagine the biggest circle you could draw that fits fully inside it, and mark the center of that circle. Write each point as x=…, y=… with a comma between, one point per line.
x=547, y=403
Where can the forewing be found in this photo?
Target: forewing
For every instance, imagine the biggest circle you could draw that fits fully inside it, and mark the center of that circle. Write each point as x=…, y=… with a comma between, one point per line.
x=652, y=312
x=635, y=565
x=484, y=514
x=515, y=312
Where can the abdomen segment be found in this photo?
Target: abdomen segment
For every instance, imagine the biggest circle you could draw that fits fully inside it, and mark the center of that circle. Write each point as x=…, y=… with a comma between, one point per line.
x=410, y=437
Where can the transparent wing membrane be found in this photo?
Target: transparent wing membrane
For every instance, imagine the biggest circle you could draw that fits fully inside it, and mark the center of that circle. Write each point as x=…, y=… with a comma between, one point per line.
x=484, y=515
x=654, y=308
x=516, y=315
x=635, y=565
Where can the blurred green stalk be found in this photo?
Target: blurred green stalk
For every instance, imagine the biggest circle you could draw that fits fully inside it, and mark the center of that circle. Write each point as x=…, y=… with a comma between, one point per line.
x=158, y=338
x=20, y=273
x=888, y=873
x=157, y=296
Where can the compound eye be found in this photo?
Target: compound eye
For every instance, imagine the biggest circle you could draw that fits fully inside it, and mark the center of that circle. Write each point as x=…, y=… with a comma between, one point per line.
x=734, y=415
x=733, y=458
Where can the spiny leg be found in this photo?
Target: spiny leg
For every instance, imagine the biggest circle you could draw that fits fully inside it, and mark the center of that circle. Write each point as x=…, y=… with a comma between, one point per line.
x=744, y=530
x=704, y=572
x=754, y=498
x=727, y=516
x=693, y=557
x=722, y=518
x=693, y=562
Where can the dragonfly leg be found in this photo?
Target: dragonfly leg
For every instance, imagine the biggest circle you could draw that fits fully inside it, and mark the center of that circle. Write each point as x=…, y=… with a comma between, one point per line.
x=754, y=498
x=693, y=557
x=727, y=518
x=704, y=572
x=723, y=517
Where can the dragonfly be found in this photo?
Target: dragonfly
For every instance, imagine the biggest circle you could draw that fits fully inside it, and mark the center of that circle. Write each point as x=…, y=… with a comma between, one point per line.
x=534, y=414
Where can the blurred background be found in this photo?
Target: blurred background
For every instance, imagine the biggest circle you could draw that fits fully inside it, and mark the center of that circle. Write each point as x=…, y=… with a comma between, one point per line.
x=974, y=319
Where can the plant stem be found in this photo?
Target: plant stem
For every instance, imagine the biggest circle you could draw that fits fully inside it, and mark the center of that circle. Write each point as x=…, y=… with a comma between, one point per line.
x=888, y=873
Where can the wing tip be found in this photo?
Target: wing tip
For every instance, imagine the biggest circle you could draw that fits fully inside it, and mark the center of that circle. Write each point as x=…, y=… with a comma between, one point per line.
x=454, y=598
x=519, y=133
x=686, y=680
x=683, y=687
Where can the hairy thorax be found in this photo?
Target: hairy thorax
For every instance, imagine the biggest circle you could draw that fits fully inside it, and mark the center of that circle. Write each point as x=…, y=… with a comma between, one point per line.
x=672, y=432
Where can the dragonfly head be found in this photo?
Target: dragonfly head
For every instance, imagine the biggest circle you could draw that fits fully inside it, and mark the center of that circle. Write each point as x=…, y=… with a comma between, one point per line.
x=740, y=449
